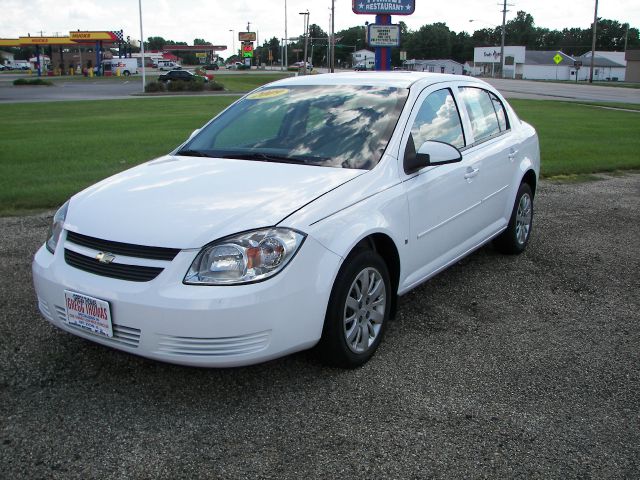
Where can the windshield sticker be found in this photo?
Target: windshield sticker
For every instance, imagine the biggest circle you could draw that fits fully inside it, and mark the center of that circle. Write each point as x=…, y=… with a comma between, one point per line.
x=271, y=93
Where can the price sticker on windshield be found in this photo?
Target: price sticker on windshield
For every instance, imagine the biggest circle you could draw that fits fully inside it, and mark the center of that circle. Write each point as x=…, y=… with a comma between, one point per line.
x=271, y=93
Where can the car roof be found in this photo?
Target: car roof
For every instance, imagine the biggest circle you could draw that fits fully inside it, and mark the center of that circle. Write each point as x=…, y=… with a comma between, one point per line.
x=397, y=79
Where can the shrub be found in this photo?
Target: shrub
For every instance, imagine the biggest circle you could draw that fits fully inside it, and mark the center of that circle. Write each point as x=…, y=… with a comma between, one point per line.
x=32, y=81
x=195, y=86
x=176, y=86
x=215, y=86
x=153, y=87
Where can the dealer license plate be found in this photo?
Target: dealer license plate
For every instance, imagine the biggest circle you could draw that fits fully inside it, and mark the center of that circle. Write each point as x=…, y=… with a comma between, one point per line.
x=88, y=313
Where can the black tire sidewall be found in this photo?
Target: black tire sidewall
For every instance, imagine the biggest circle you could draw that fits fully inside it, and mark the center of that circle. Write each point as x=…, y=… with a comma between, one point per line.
x=507, y=242
x=333, y=344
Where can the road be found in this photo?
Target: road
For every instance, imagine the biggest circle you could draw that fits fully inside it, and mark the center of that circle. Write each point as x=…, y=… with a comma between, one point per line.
x=500, y=367
x=101, y=89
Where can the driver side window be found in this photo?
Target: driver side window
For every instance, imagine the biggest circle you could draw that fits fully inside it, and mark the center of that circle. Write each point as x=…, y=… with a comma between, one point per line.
x=438, y=119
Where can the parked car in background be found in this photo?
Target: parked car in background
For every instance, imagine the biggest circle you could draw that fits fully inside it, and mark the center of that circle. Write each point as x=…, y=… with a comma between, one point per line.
x=246, y=244
x=361, y=67
x=212, y=66
x=184, y=75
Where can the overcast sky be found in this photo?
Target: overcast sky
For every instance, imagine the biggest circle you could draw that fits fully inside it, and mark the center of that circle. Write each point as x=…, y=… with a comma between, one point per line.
x=184, y=20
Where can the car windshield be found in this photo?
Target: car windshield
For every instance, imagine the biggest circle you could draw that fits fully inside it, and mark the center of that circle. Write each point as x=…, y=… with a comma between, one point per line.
x=328, y=125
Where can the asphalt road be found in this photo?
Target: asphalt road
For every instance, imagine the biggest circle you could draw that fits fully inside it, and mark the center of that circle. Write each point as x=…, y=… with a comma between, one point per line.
x=102, y=89
x=500, y=367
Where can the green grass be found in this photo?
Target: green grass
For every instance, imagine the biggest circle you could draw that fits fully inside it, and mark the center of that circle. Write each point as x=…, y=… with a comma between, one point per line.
x=579, y=139
x=52, y=150
x=245, y=82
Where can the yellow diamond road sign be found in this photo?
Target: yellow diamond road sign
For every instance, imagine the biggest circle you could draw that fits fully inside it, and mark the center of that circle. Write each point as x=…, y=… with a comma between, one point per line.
x=557, y=58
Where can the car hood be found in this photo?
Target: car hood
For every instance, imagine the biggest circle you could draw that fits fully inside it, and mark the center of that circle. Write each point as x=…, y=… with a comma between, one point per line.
x=186, y=202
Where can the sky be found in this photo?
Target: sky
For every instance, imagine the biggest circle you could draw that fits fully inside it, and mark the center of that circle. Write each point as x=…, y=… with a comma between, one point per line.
x=212, y=20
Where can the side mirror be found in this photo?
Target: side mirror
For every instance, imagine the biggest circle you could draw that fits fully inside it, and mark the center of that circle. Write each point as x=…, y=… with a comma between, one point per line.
x=439, y=153
x=431, y=153
x=193, y=134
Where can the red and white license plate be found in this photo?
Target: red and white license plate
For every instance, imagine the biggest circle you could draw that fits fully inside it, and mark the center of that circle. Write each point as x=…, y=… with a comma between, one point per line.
x=88, y=313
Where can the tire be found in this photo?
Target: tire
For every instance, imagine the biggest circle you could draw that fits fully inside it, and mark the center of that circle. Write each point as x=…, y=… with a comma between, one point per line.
x=126, y=73
x=515, y=238
x=355, y=321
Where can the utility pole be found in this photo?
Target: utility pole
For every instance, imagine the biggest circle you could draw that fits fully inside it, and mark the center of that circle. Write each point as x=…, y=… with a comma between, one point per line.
x=286, y=38
x=333, y=36
x=504, y=23
x=593, y=43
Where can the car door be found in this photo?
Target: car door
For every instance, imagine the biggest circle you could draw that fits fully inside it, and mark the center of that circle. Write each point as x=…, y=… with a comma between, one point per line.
x=492, y=151
x=441, y=199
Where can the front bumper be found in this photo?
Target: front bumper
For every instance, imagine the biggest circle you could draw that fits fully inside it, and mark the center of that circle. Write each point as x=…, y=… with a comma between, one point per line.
x=207, y=326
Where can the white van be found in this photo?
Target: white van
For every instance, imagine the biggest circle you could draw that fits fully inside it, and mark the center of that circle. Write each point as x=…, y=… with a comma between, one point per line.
x=127, y=66
x=167, y=65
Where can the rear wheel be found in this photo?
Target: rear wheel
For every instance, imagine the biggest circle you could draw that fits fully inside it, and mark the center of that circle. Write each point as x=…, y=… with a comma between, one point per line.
x=515, y=238
x=358, y=311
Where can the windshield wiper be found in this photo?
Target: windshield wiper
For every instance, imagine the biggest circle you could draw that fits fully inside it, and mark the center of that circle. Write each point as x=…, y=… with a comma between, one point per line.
x=192, y=153
x=267, y=157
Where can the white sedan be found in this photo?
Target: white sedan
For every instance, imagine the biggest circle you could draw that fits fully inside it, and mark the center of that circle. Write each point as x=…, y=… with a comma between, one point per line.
x=293, y=219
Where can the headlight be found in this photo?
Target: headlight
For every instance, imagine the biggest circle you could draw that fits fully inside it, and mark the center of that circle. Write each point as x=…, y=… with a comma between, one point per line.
x=56, y=227
x=244, y=258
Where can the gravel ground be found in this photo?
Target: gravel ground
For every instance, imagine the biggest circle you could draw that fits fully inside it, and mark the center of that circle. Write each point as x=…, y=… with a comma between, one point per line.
x=499, y=367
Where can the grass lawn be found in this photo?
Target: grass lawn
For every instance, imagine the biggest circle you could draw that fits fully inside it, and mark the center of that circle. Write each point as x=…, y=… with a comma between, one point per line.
x=581, y=139
x=52, y=150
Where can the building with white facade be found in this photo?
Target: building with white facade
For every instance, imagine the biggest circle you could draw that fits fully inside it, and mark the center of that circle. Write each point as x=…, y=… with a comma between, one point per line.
x=364, y=57
x=434, y=66
x=521, y=63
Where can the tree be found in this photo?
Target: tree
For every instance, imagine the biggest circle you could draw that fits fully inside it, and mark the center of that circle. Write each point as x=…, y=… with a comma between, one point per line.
x=200, y=41
x=155, y=43
x=521, y=31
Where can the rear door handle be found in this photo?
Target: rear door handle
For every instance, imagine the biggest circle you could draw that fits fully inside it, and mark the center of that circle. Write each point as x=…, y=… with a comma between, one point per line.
x=512, y=154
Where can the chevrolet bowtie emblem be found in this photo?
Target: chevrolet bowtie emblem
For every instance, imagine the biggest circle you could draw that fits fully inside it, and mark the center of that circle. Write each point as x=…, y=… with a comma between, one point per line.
x=105, y=257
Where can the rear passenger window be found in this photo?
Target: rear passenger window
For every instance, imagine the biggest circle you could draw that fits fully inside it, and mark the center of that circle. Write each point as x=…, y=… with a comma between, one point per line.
x=485, y=121
x=502, y=115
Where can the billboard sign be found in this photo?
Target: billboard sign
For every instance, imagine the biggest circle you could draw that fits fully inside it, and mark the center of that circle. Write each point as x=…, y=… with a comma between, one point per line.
x=384, y=35
x=383, y=7
x=247, y=36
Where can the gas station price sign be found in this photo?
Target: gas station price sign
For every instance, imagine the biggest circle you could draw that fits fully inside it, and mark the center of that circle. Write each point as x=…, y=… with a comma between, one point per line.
x=383, y=7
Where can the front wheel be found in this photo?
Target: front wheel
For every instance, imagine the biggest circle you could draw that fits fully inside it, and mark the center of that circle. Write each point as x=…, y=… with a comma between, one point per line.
x=358, y=311
x=515, y=238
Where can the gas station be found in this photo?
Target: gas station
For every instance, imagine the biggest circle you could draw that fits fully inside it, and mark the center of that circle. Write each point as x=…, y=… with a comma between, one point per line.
x=97, y=40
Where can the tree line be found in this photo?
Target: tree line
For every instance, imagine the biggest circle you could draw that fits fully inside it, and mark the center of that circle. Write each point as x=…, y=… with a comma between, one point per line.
x=432, y=41
x=437, y=41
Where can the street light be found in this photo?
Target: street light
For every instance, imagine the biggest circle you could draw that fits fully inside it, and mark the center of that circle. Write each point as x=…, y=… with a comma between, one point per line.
x=233, y=41
x=306, y=39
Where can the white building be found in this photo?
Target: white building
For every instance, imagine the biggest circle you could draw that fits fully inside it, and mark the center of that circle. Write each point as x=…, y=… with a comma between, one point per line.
x=607, y=66
x=434, y=66
x=487, y=60
x=364, y=57
x=547, y=65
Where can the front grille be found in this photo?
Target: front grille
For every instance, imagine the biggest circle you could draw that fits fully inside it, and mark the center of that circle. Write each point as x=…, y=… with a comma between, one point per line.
x=119, y=248
x=213, y=347
x=127, y=336
x=133, y=273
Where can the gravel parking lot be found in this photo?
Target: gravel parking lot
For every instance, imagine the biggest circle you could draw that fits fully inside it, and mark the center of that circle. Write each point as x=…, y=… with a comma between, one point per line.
x=501, y=366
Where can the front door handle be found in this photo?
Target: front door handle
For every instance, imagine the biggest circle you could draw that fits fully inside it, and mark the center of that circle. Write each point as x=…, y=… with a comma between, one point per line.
x=471, y=172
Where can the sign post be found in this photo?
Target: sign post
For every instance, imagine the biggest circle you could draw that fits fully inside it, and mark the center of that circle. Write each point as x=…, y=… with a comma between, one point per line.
x=383, y=35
